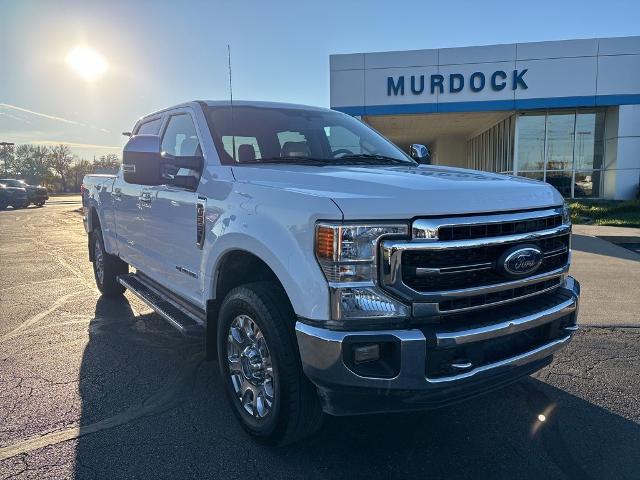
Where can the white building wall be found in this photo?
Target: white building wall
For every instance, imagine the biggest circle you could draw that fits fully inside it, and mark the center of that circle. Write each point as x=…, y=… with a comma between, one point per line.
x=624, y=167
x=610, y=152
x=570, y=73
x=602, y=72
x=450, y=150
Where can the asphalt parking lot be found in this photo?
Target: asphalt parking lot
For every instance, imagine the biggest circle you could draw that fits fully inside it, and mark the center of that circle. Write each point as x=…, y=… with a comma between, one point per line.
x=93, y=388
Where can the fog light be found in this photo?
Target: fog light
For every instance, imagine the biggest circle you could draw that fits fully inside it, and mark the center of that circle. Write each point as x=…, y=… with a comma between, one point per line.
x=366, y=353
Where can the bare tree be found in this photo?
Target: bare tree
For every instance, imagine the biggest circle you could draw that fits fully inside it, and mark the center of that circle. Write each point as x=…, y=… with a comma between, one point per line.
x=60, y=160
x=109, y=162
x=32, y=163
x=21, y=158
x=40, y=170
x=7, y=155
x=78, y=171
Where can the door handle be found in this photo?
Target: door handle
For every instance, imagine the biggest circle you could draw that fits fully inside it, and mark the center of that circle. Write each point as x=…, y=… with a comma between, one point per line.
x=117, y=193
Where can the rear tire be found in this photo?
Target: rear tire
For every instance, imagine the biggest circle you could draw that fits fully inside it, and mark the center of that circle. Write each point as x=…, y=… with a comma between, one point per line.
x=106, y=268
x=288, y=409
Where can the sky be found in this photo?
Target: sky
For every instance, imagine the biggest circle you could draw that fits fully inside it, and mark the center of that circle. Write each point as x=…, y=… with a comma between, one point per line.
x=160, y=53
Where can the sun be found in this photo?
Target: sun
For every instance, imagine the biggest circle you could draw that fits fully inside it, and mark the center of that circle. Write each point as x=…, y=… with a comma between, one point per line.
x=87, y=62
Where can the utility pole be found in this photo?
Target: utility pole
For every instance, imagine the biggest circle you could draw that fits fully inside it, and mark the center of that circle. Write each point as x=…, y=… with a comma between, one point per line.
x=5, y=152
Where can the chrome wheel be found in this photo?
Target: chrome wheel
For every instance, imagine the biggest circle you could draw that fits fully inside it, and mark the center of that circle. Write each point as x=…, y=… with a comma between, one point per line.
x=250, y=367
x=98, y=261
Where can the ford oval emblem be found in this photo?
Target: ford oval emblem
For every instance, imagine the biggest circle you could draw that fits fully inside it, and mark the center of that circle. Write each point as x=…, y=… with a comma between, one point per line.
x=521, y=260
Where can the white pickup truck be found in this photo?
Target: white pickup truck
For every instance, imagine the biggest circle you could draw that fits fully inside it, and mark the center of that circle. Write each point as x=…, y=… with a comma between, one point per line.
x=328, y=270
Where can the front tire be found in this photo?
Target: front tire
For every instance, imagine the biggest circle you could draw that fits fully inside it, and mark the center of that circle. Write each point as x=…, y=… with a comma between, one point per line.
x=106, y=268
x=260, y=365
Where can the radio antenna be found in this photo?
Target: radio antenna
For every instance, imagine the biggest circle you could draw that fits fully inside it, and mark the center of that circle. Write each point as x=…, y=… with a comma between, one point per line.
x=233, y=133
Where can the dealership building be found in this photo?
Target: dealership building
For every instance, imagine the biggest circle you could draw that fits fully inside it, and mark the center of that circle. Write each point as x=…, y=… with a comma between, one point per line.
x=567, y=112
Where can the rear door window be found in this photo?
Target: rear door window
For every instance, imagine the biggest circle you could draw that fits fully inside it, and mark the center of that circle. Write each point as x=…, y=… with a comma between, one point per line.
x=152, y=127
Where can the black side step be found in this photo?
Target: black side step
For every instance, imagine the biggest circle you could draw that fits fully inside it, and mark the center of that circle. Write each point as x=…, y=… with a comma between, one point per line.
x=185, y=321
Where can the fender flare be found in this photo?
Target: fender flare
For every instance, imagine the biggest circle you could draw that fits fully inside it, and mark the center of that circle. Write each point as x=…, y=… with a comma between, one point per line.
x=305, y=266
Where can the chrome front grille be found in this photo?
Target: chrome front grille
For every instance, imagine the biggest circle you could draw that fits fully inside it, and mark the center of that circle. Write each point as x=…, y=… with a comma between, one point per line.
x=454, y=264
x=501, y=296
x=426, y=270
x=496, y=229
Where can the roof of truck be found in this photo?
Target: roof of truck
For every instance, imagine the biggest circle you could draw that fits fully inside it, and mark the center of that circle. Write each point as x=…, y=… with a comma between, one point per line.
x=237, y=103
x=253, y=103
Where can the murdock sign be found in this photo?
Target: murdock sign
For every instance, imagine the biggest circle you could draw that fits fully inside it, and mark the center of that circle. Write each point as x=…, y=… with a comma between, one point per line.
x=456, y=82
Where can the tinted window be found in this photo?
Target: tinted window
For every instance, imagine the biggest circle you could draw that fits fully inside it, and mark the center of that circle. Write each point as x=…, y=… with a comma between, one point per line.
x=288, y=136
x=243, y=145
x=180, y=137
x=531, y=131
x=344, y=139
x=13, y=183
x=296, y=135
x=151, y=127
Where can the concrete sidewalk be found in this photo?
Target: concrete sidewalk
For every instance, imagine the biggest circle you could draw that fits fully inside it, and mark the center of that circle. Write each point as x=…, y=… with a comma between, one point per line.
x=608, y=274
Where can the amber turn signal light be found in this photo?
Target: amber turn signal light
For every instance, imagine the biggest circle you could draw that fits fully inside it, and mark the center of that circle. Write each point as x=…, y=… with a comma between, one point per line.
x=325, y=242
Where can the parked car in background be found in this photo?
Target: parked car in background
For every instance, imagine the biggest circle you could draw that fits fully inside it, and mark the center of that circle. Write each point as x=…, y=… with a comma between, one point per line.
x=327, y=269
x=37, y=194
x=15, y=197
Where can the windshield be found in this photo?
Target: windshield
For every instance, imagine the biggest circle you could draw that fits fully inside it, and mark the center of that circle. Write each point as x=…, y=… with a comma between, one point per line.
x=293, y=135
x=12, y=183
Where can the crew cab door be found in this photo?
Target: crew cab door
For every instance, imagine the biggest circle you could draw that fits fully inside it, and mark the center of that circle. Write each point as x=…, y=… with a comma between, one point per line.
x=173, y=257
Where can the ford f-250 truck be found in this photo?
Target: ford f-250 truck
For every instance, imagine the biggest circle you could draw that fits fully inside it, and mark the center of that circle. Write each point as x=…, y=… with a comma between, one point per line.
x=328, y=270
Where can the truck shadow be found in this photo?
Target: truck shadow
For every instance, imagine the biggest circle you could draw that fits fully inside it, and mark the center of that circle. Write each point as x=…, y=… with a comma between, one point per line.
x=599, y=246
x=153, y=408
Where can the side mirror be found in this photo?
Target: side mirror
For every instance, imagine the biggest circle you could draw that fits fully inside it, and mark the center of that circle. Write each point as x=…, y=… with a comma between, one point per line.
x=141, y=160
x=420, y=153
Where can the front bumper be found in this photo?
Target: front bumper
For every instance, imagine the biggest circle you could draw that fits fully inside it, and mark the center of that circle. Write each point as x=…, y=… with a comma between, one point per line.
x=38, y=196
x=409, y=383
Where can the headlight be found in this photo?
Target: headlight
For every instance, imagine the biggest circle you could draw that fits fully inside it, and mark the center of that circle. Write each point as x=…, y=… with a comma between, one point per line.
x=347, y=255
x=566, y=214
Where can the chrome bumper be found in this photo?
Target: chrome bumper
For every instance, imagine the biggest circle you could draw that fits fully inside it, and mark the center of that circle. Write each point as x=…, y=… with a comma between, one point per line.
x=323, y=358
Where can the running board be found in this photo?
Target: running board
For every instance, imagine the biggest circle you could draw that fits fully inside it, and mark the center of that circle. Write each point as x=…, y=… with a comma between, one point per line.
x=179, y=317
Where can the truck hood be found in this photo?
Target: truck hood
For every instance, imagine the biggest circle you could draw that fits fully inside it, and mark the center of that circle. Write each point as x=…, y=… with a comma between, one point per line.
x=399, y=192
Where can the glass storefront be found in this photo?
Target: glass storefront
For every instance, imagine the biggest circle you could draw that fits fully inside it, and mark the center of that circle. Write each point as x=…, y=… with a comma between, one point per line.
x=563, y=148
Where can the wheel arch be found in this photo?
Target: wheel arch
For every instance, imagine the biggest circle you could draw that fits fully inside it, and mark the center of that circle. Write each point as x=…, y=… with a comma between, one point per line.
x=93, y=222
x=235, y=267
x=238, y=267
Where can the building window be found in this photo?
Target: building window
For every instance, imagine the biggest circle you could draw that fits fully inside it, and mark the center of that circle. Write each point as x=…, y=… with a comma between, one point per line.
x=492, y=150
x=563, y=148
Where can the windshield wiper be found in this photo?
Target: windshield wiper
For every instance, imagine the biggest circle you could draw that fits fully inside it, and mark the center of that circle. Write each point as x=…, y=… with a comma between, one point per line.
x=370, y=158
x=353, y=159
x=289, y=160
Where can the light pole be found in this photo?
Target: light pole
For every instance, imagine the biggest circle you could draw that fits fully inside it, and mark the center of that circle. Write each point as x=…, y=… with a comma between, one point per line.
x=5, y=146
